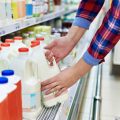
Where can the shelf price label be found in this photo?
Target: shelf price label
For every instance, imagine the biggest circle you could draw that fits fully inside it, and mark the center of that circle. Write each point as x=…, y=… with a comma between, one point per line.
x=2, y=32
x=17, y=26
x=38, y=19
x=29, y=22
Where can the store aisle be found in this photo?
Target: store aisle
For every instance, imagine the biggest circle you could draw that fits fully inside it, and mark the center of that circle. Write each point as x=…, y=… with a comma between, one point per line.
x=110, y=94
x=110, y=107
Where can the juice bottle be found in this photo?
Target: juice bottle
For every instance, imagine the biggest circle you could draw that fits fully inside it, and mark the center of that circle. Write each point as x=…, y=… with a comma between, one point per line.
x=21, y=8
x=14, y=4
x=29, y=8
x=3, y=13
x=36, y=12
x=8, y=10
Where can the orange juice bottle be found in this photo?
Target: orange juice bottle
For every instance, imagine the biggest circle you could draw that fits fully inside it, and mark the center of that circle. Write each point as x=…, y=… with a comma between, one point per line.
x=21, y=8
x=14, y=4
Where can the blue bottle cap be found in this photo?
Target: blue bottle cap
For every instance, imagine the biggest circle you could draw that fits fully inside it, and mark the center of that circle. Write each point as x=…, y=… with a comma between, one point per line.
x=7, y=72
x=3, y=80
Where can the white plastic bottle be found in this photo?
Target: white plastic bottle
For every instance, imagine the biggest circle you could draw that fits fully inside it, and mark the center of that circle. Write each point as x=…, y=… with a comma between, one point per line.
x=8, y=9
x=45, y=71
x=3, y=11
x=18, y=43
x=4, y=115
x=10, y=89
x=4, y=56
x=30, y=85
x=13, y=79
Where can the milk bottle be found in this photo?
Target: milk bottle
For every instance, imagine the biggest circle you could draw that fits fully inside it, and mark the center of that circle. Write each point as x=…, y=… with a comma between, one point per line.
x=10, y=89
x=18, y=43
x=4, y=106
x=4, y=56
x=13, y=79
x=3, y=11
x=31, y=102
x=45, y=71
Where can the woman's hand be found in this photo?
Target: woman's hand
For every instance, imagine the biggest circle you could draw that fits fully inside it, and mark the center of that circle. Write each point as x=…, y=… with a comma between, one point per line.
x=60, y=82
x=59, y=49
x=66, y=78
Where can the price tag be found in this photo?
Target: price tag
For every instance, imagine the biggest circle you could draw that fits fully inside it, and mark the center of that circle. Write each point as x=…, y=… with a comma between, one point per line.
x=17, y=26
x=2, y=32
x=38, y=20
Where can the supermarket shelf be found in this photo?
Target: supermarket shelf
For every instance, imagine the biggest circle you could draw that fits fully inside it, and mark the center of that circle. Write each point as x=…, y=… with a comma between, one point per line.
x=24, y=23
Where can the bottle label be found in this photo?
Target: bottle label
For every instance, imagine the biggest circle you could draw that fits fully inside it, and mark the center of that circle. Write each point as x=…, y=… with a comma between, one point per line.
x=31, y=102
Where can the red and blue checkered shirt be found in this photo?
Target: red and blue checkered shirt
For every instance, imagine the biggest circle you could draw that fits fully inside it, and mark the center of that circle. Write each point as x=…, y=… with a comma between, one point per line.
x=106, y=36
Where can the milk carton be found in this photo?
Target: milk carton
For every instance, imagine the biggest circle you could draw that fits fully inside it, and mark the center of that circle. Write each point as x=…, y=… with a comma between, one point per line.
x=4, y=115
x=10, y=89
x=13, y=79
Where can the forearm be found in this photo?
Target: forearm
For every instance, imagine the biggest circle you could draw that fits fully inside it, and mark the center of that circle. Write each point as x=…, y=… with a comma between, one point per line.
x=74, y=35
x=80, y=69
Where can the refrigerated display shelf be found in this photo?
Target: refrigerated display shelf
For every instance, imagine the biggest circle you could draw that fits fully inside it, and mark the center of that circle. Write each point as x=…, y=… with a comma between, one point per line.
x=24, y=23
x=69, y=108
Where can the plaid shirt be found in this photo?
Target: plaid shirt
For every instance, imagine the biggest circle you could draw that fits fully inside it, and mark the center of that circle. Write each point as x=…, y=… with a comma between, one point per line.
x=106, y=36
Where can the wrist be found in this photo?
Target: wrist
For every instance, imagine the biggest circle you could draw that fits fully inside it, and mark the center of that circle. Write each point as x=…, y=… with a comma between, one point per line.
x=81, y=68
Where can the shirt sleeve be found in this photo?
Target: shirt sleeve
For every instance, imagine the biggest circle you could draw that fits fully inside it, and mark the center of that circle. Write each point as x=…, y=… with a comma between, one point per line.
x=87, y=11
x=106, y=37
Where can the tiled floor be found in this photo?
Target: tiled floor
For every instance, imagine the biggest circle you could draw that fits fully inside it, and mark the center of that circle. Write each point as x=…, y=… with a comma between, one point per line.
x=110, y=94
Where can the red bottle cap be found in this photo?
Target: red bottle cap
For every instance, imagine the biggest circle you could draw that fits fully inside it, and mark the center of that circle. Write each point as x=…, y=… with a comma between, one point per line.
x=35, y=41
x=40, y=39
x=35, y=44
x=9, y=41
x=18, y=38
x=23, y=49
x=5, y=44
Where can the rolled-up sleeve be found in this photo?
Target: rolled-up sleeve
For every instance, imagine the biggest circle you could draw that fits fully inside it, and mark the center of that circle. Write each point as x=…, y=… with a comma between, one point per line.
x=106, y=37
x=87, y=11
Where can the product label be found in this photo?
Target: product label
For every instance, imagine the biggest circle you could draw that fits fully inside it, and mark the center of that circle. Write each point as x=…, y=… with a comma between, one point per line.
x=31, y=102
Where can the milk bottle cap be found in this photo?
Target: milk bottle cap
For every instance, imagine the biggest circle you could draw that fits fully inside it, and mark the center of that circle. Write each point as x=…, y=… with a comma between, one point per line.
x=9, y=41
x=18, y=38
x=5, y=44
x=35, y=41
x=40, y=39
x=3, y=80
x=7, y=72
x=35, y=44
x=23, y=49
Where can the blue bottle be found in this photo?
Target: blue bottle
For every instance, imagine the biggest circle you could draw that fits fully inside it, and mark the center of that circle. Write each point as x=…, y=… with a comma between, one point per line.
x=29, y=8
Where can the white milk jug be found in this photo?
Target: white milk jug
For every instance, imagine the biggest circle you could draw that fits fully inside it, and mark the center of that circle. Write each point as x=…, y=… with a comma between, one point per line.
x=31, y=102
x=45, y=71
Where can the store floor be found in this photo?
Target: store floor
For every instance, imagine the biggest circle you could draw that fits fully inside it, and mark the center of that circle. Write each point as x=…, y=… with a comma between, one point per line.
x=110, y=107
